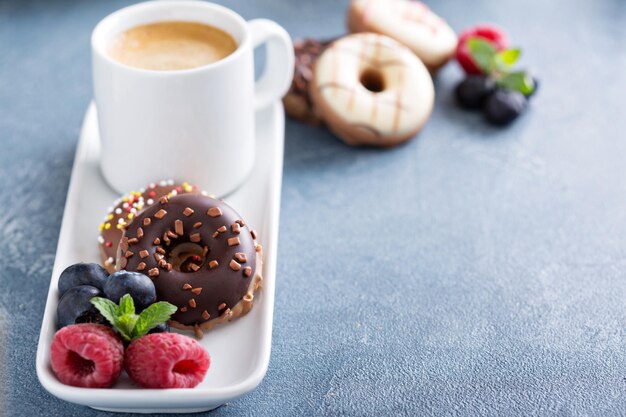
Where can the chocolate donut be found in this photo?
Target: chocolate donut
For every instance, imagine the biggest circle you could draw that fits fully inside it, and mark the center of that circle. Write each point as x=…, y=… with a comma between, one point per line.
x=123, y=211
x=297, y=101
x=201, y=256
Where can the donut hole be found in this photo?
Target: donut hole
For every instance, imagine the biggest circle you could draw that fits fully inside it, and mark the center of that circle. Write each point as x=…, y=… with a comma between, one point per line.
x=188, y=257
x=373, y=80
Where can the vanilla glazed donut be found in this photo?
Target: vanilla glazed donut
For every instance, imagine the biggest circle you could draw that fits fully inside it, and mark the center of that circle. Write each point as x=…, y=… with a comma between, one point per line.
x=201, y=256
x=411, y=23
x=371, y=90
x=124, y=210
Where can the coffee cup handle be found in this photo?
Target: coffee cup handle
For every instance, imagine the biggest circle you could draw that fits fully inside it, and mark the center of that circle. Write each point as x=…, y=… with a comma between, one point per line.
x=279, y=64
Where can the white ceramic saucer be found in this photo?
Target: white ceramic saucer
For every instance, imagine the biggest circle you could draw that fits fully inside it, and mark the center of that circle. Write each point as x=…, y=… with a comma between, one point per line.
x=240, y=351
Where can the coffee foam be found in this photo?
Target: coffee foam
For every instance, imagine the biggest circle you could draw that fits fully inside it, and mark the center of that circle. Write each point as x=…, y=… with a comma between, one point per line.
x=171, y=45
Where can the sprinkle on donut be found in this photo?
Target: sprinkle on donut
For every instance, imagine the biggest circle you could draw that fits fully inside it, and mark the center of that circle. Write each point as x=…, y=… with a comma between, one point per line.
x=199, y=272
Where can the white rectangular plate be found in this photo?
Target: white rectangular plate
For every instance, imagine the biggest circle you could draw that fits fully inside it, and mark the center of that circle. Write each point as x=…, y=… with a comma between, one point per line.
x=240, y=350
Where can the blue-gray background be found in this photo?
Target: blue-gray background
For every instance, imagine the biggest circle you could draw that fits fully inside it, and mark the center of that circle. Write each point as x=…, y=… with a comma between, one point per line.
x=474, y=271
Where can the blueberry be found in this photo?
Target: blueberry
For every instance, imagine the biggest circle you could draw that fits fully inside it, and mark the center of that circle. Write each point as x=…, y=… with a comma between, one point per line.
x=503, y=106
x=92, y=316
x=139, y=286
x=473, y=90
x=75, y=303
x=163, y=327
x=82, y=274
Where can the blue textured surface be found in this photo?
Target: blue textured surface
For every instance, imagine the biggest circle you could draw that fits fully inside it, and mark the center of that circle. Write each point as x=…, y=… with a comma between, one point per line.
x=474, y=271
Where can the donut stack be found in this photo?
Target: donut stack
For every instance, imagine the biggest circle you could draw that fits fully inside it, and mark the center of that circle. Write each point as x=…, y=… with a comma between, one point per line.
x=200, y=254
x=372, y=87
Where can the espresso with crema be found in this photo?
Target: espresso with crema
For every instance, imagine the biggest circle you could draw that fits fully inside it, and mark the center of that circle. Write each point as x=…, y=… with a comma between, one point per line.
x=170, y=46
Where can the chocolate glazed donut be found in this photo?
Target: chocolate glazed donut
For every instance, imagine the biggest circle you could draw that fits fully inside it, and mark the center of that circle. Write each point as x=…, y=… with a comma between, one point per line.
x=201, y=256
x=125, y=209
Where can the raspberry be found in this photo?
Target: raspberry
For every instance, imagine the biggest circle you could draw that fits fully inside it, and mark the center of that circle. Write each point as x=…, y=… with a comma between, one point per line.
x=493, y=34
x=166, y=360
x=87, y=355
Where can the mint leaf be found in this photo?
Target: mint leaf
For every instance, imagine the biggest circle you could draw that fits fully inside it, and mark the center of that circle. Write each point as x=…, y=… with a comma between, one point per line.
x=129, y=325
x=107, y=308
x=127, y=306
x=152, y=316
x=483, y=53
x=507, y=58
x=518, y=81
x=125, y=325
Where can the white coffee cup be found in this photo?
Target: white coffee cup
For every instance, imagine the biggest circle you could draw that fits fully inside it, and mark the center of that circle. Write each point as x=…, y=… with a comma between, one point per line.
x=193, y=125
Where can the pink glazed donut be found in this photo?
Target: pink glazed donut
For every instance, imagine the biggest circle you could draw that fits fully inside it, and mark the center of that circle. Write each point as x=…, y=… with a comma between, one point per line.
x=409, y=22
x=371, y=90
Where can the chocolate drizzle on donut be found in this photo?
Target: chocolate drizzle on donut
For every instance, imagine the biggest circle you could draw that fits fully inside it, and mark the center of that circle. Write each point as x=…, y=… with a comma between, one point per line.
x=351, y=90
x=199, y=273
